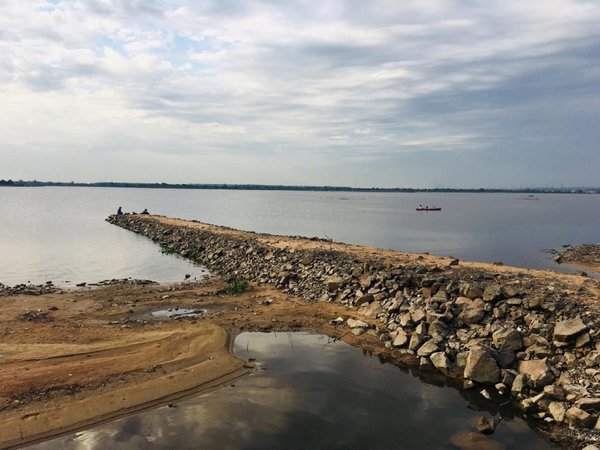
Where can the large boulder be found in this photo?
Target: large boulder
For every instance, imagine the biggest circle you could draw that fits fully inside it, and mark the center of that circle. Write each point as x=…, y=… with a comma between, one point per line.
x=427, y=348
x=334, y=283
x=401, y=338
x=508, y=339
x=557, y=410
x=471, y=315
x=361, y=299
x=493, y=293
x=579, y=418
x=566, y=331
x=481, y=366
x=415, y=341
x=470, y=291
x=354, y=323
x=371, y=310
x=537, y=371
x=519, y=385
x=440, y=361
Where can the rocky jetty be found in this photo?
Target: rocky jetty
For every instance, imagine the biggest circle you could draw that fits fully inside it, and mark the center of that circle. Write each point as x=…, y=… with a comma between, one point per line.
x=586, y=255
x=530, y=336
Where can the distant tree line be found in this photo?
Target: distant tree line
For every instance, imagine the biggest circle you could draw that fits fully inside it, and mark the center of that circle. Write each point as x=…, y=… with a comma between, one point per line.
x=281, y=187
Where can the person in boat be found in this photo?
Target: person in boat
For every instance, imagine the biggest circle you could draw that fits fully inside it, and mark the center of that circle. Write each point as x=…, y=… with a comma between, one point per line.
x=145, y=211
x=119, y=211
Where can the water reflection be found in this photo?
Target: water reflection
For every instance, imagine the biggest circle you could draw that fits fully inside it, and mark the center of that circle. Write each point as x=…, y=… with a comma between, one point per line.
x=312, y=392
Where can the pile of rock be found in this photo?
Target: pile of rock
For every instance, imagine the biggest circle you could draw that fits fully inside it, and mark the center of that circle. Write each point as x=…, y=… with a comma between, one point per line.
x=121, y=281
x=512, y=331
x=28, y=289
x=35, y=316
x=587, y=254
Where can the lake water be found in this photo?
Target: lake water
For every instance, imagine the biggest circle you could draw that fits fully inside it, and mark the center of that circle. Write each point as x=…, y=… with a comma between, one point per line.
x=59, y=234
x=315, y=394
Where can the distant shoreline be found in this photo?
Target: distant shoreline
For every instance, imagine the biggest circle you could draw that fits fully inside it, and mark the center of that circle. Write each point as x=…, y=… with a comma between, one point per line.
x=267, y=187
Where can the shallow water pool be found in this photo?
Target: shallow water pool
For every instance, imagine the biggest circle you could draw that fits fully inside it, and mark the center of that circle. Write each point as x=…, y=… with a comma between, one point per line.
x=311, y=392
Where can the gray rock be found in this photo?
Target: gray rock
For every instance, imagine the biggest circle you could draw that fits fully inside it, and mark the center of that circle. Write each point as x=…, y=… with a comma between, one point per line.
x=415, y=341
x=537, y=371
x=371, y=310
x=470, y=291
x=438, y=330
x=337, y=321
x=354, y=323
x=481, y=366
x=567, y=330
x=440, y=361
x=334, y=283
x=579, y=418
x=364, y=298
x=401, y=338
x=358, y=331
x=508, y=338
x=493, y=293
x=417, y=316
x=471, y=315
x=461, y=359
x=582, y=340
x=427, y=348
x=555, y=392
x=519, y=386
x=366, y=281
x=557, y=410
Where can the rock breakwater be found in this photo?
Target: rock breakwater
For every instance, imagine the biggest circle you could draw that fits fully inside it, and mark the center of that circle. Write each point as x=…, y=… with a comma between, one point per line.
x=531, y=336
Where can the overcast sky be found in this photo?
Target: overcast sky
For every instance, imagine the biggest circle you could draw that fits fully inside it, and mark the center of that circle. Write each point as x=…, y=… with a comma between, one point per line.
x=423, y=93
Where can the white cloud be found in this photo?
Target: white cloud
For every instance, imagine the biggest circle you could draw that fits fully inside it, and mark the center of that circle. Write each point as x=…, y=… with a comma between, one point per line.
x=319, y=80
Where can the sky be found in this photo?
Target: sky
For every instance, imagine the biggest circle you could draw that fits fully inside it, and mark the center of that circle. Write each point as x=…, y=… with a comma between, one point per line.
x=423, y=93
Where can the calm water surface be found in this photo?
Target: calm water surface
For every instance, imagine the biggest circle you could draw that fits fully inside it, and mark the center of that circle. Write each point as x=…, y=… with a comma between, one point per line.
x=59, y=234
x=315, y=394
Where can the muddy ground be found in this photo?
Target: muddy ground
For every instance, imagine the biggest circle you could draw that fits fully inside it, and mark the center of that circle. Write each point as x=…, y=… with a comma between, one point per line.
x=78, y=357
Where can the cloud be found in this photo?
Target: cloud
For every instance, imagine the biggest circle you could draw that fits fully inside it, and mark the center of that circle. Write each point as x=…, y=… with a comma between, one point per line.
x=370, y=87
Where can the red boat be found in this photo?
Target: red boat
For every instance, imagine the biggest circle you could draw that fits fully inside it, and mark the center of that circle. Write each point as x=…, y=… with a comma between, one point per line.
x=427, y=208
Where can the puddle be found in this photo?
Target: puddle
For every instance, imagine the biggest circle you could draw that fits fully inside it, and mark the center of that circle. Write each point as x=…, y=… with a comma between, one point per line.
x=176, y=313
x=312, y=392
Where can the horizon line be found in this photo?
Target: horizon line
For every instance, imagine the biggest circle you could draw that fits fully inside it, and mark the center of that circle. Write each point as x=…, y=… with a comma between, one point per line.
x=282, y=187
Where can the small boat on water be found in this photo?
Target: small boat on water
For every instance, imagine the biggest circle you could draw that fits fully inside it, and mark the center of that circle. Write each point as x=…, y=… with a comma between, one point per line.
x=427, y=208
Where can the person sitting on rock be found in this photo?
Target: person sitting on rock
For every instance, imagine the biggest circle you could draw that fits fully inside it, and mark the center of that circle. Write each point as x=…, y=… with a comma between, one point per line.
x=145, y=211
x=119, y=211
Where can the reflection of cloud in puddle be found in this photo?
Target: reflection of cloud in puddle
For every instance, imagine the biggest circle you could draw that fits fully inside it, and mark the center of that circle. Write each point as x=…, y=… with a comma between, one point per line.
x=223, y=419
x=317, y=393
